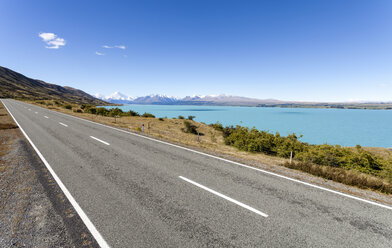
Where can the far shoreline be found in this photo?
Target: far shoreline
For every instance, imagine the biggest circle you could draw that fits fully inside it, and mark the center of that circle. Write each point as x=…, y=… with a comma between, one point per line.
x=288, y=106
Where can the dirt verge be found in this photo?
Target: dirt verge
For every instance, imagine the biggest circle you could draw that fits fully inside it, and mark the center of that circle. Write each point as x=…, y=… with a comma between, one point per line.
x=33, y=210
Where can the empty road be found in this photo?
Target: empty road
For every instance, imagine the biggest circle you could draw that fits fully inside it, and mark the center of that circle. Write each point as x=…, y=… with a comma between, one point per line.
x=135, y=191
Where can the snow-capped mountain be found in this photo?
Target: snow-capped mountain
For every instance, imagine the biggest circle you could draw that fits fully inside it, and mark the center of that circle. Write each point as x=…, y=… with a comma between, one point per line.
x=221, y=99
x=155, y=99
x=116, y=97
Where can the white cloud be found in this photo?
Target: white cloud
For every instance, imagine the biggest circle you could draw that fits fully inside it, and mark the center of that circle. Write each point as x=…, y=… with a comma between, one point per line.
x=100, y=54
x=47, y=36
x=117, y=46
x=52, y=40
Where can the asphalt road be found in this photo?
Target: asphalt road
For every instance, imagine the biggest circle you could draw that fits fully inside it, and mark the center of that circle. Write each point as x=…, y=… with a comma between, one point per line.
x=139, y=192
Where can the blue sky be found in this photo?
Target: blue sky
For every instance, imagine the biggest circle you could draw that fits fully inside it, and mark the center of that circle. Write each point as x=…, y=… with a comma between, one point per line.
x=290, y=50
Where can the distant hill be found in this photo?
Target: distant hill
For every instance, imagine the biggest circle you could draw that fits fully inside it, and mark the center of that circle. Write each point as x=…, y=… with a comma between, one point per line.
x=16, y=85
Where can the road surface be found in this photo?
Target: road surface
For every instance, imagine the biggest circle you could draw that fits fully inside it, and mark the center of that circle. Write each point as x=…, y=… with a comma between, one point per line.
x=134, y=191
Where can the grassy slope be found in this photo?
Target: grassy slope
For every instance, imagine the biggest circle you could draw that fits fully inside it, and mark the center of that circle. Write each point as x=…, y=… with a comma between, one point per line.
x=16, y=85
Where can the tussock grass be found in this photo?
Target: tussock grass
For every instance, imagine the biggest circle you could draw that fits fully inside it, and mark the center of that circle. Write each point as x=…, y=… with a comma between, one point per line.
x=7, y=126
x=345, y=176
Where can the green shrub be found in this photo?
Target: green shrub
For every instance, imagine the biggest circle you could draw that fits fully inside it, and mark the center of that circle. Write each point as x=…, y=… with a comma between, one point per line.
x=189, y=127
x=161, y=119
x=84, y=106
x=90, y=110
x=253, y=140
x=68, y=106
x=181, y=117
x=148, y=115
x=191, y=117
x=102, y=111
x=133, y=113
x=115, y=112
x=78, y=111
x=217, y=126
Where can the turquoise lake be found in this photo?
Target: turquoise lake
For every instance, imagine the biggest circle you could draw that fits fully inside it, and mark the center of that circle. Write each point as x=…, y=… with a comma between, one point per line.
x=346, y=127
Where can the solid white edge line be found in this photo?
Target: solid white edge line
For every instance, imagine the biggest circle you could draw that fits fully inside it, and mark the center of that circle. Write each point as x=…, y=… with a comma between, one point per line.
x=36, y=112
x=46, y=117
x=233, y=162
x=65, y=125
x=106, y=143
x=224, y=197
x=98, y=237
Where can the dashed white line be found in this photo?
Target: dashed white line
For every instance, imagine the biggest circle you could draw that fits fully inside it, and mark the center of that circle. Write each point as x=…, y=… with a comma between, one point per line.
x=225, y=197
x=36, y=112
x=29, y=109
x=93, y=230
x=106, y=143
x=46, y=117
x=65, y=125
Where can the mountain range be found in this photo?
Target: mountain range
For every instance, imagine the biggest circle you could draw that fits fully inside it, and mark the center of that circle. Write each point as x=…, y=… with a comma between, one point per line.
x=228, y=100
x=222, y=99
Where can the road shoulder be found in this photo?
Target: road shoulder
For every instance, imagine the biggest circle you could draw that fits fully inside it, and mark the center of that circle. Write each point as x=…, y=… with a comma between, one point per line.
x=33, y=211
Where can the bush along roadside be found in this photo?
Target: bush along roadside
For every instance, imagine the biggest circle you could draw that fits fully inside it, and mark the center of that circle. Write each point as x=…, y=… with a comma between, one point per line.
x=343, y=164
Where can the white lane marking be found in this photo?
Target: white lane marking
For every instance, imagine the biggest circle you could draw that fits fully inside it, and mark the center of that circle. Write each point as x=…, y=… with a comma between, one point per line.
x=36, y=112
x=46, y=117
x=98, y=237
x=65, y=125
x=29, y=109
x=236, y=163
x=225, y=197
x=106, y=143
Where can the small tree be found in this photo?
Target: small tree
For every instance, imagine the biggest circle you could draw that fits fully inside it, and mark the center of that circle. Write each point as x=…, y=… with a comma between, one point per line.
x=191, y=117
x=189, y=128
x=116, y=112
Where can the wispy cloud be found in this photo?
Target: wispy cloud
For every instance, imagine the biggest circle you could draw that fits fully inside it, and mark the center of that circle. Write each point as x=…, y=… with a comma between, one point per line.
x=116, y=46
x=100, y=54
x=52, y=41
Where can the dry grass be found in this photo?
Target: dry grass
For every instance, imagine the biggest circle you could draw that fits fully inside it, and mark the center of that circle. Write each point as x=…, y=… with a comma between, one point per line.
x=384, y=153
x=7, y=126
x=348, y=177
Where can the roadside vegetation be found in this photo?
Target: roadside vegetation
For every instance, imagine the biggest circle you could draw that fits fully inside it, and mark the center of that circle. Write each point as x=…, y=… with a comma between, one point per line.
x=368, y=168
x=356, y=166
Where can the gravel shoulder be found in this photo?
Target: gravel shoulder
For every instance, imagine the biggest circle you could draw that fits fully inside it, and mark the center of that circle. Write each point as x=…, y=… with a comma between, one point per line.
x=33, y=210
